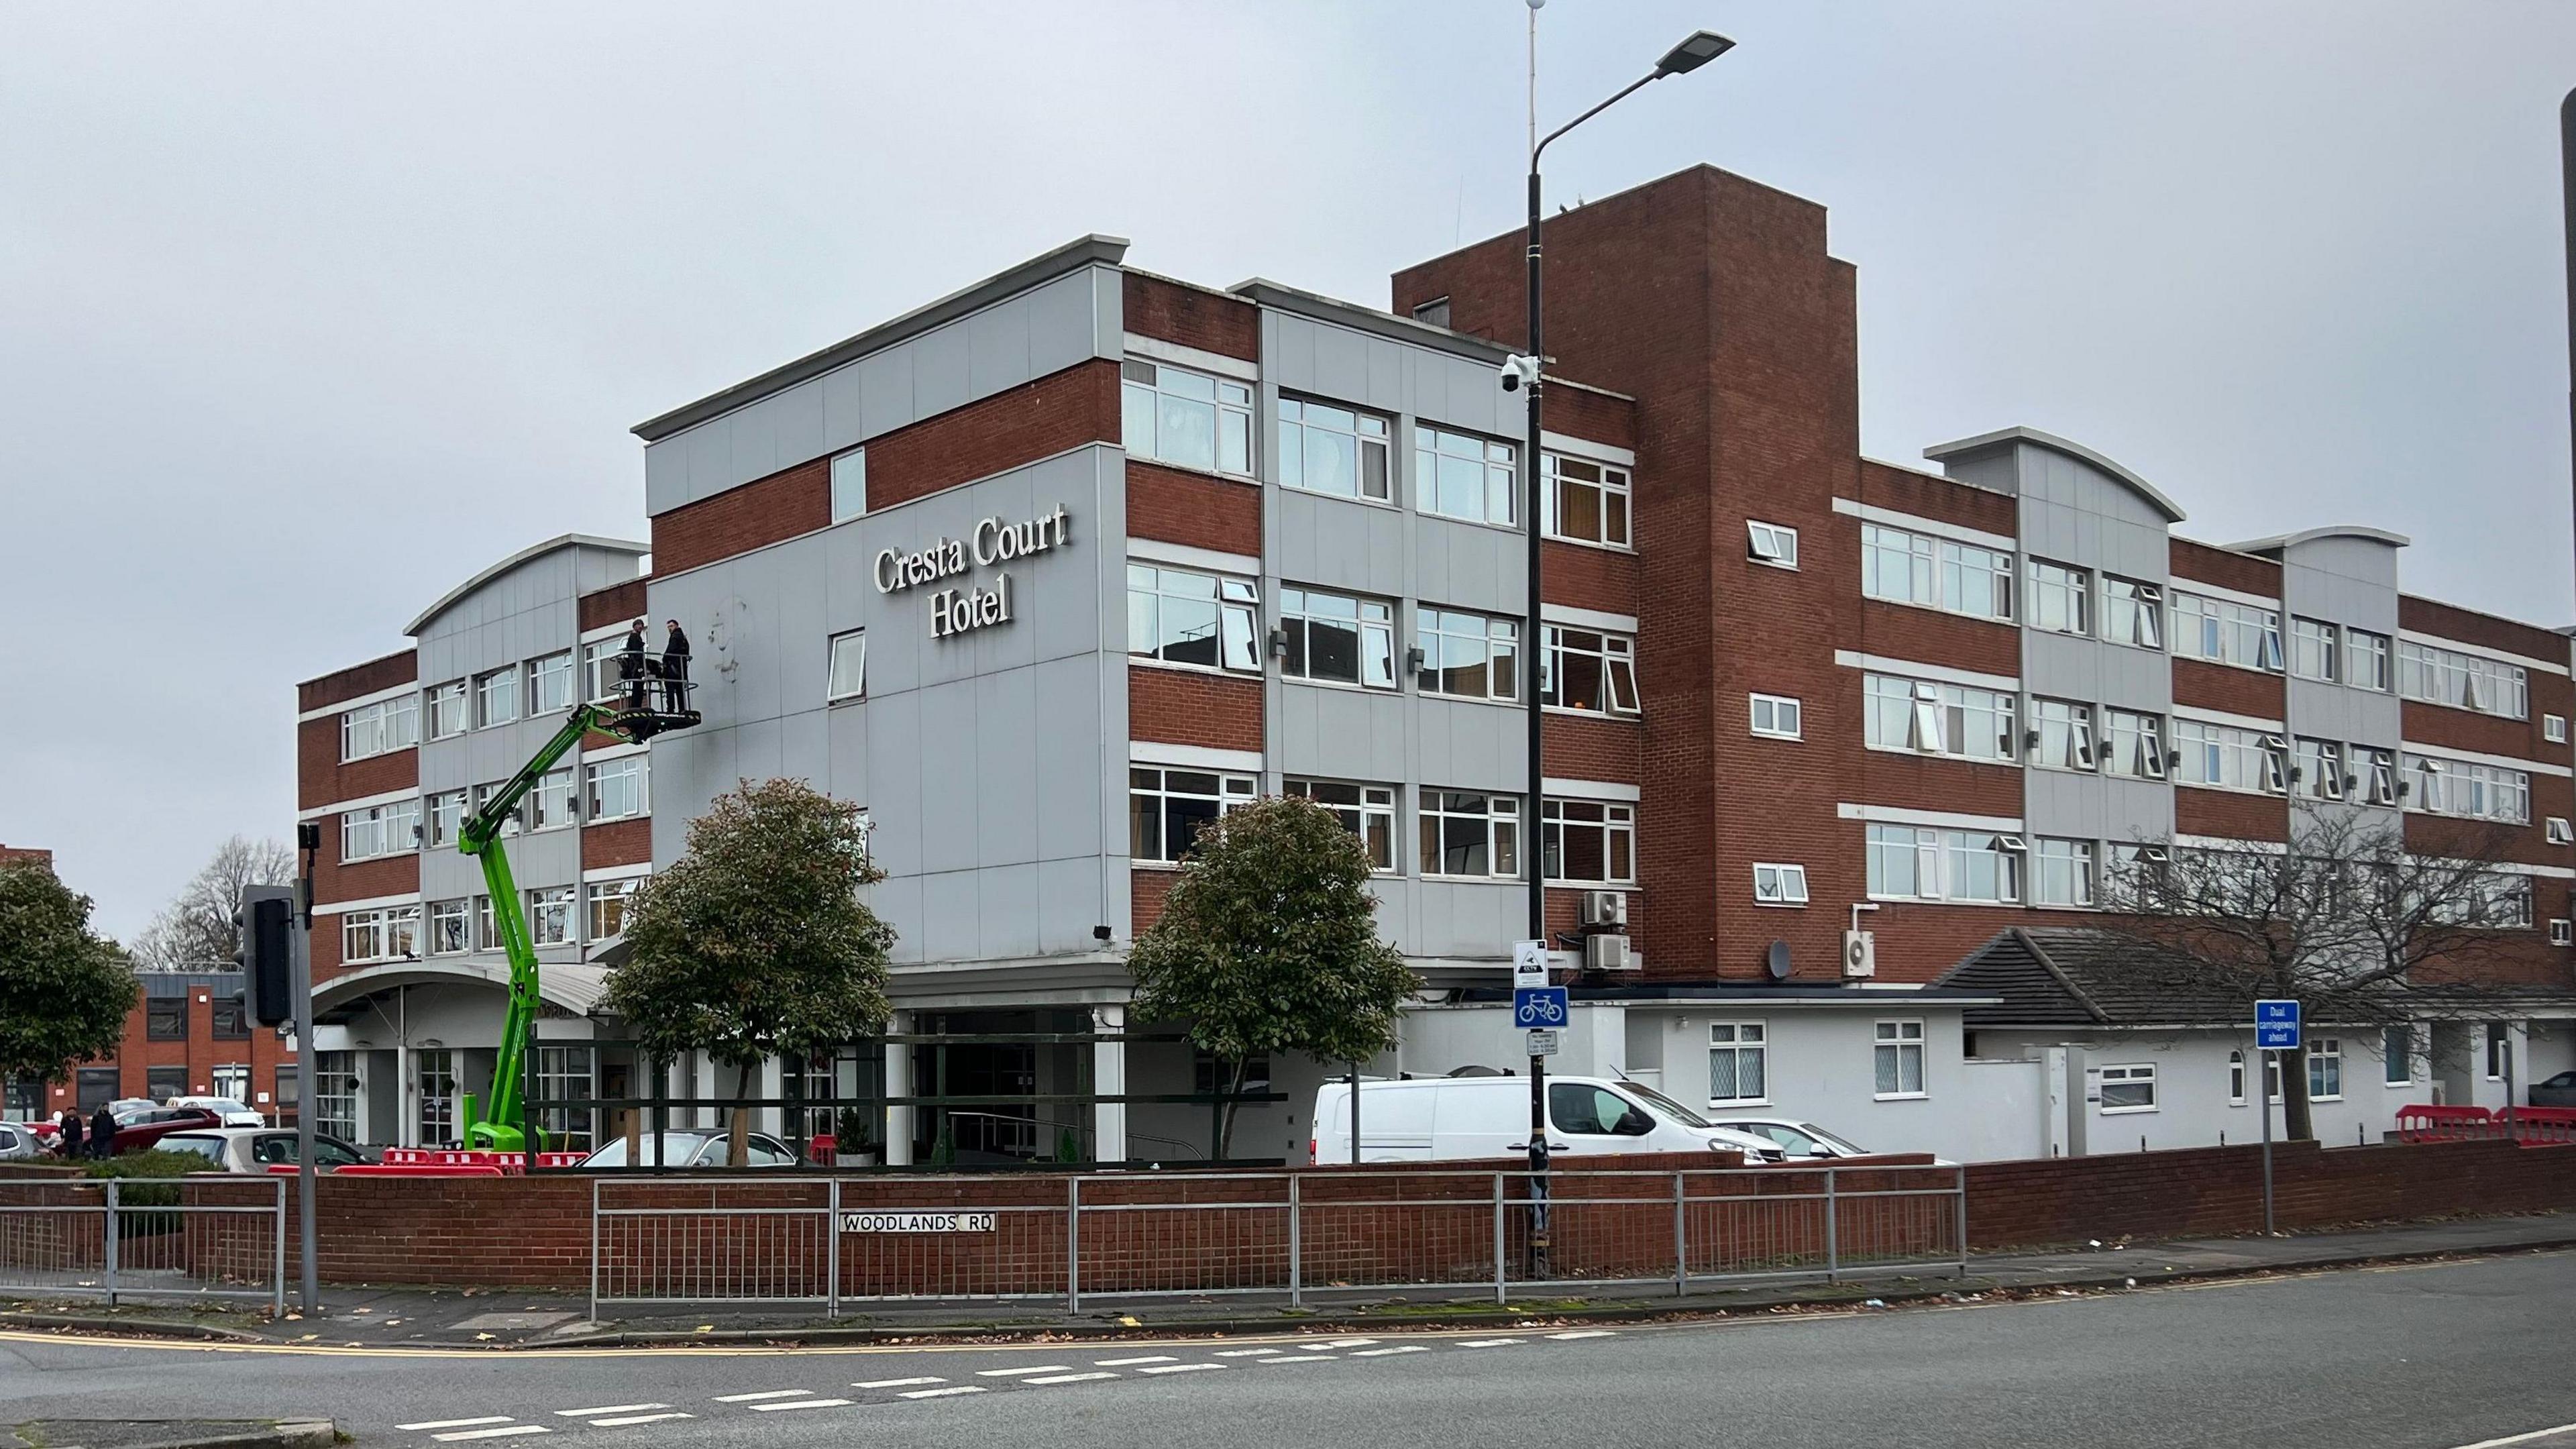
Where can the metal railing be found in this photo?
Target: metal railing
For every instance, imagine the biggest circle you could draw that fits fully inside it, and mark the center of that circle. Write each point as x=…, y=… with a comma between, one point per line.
x=1295, y=1236
x=167, y=1237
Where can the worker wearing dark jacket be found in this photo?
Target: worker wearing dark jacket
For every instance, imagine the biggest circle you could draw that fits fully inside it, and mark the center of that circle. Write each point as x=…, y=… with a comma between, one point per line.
x=675, y=668
x=69, y=1136
x=630, y=666
x=102, y=1133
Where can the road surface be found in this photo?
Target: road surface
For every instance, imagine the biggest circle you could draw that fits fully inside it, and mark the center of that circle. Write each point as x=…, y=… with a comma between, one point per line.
x=2414, y=1357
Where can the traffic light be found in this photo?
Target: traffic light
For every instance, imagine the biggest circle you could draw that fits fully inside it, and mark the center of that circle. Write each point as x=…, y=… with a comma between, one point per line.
x=266, y=952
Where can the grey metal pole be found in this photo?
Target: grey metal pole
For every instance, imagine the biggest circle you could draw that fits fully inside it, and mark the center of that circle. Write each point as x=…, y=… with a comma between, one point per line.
x=1355, y=1114
x=2567, y=164
x=308, y=1072
x=115, y=1224
x=2263, y=1089
x=1296, y=1246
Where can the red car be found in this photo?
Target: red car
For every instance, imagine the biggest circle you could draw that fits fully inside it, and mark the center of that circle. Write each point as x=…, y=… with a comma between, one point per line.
x=144, y=1127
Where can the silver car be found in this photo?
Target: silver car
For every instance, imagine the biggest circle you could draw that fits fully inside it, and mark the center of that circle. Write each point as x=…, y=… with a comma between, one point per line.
x=17, y=1142
x=2557, y=1091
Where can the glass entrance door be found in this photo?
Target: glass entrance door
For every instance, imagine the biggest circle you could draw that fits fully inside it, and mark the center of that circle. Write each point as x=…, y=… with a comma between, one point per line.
x=438, y=1089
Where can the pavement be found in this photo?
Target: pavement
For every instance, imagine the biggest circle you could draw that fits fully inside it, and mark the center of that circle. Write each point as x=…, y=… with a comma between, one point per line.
x=411, y=1317
x=2441, y=1354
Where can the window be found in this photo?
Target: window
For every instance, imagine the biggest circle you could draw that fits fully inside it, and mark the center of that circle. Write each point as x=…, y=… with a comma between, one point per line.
x=616, y=788
x=1211, y=1074
x=550, y=683
x=1938, y=719
x=2065, y=733
x=2312, y=649
x=2319, y=769
x=2132, y=613
x=1588, y=842
x=2553, y=728
x=1174, y=415
x=230, y=1022
x=2227, y=758
x=849, y=484
x=606, y=902
x=1736, y=1068
x=447, y=709
x=2397, y=1056
x=1337, y=638
x=1772, y=543
x=2236, y=1079
x=550, y=803
x=1466, y=656
x=1335, y=450
x=1457, y=475
x=2475, y=792
x=163, y=1083
x=1181, y=617
x=2560, y=832
x=2226, y=632
x=2366, y=659
x=510, y=824
x=496, y=698
x=2133, y=744
x=446, y=813
x=1913, y=568
x=98, y=1087
x=1775, y=715
x=2381, y=775
x=1367, y=811
x=380, y=830
x=487, y=931
x=2467, y=681
x=438, y=1092
x=2061, y=598
x=2499, y=1038
x=375, y=729
x=1898, y=1058
x=290, y=1088
x=1907, y=862
x=1168, y=808
x=1779, y=885
x=231, y=1082
x=550, y=916
x=848, y=675
x=390, y=934
x=1589, y=671
x=1586, y=502
x=2128, y=1089
x=1465, y=833
x=165, y=1018
x=2562, y=932
x=2061, y=872
x=450, y=928
x=563, y=1075
x=335, y=1093
x=2325, y=1069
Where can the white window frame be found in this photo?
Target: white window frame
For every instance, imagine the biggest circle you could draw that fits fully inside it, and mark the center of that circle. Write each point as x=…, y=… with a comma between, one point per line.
x=1940, y=860
x=845, y=667
x=600, y=896
x=1372, y=620
x=1367, y=811
x=2369, y=660
x=2078, y=860
x=2131, y=1075
x=489, y=689
x=374, y=831
x=1736, y=1041
x=553, y=802
x=2495, y=1042
x=380, y=728
x=2401, y=1061
x=388, y=933
x=551, y=685
x=553, y=915
x=2553, y=728
x=1233, y=443
x=849, y=485
x=2559, y=831
x=2468, y=790
x=1500, y=823
x=2222, y=631
x=458, y=913
x=2248, y=761
x=2379, y=783
x=1615, y=820
x=2316, y=649
x=627, y=775
x=1938, y=573
x=2321, y=768
x=2459, y=680
x=1152, y=589
x=1779, y=883
x=2133, y=613
x=442, y=818
x=455, y=695
x=1896, y=1041
x=1371, y=435
x=1611, y=481
x=2065, y=730
x=1787, y=716
x=1940, y=719
x=1499, y=505
x=1489, y=643
x=1618, y=656
x=2057, y=598
x=1229, y=791
x=1771, y=544
x=2236, y=1078
x=2325, y=1054
x=2133, y=744
x=601, y=680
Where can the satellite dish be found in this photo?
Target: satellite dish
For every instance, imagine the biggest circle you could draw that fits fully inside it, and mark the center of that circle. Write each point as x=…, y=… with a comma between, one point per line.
x=1776, y=960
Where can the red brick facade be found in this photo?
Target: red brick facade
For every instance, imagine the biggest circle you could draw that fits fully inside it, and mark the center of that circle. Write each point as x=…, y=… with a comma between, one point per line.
x=1174, y=506
x=619, y=842
x=1188, y=707
x=193, y=1055
x=792, y=501
x=1176, y=312
x=1034, y=420
x=616, y=604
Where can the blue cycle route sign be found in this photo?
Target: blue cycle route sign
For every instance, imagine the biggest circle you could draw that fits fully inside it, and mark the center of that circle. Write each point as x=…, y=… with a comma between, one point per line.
x=2276, y=1025
x=1536, y=1007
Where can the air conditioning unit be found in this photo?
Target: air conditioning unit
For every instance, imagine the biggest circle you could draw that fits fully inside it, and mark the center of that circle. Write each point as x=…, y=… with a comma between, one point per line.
x=1608, y=953
x=1860, y=953
x=1605, y=908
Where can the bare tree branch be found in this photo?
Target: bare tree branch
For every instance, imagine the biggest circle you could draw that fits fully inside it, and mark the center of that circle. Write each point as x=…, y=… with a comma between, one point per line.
x=195, y=931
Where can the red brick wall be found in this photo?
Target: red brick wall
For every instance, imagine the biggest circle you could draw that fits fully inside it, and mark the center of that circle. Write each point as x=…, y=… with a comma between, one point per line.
x=2467, y=729
x=1035, y=420
x=200, y=1052
x=1884, y=485
x=321, y=779
x=2204, y=685
x=620, y=842
x=2230, y=814
x=1581, y=413
x=620, y=603
x=1577, y=748
x=1193, y=509
x=1927, y=636
x=1182, y=707
x=2224, y=567
x=2449, y=621
x=357, y=681
x=1209, y=321
x=383, y=875
x=1146, y=890
x=1591, y=578
x=781, y=506
x=26, y=855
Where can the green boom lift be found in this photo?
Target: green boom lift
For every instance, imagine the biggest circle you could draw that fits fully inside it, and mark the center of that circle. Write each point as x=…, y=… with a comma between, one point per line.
x=502, y=1125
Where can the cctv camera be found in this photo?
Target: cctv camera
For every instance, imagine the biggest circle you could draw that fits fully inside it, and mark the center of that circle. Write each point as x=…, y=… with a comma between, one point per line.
x=1518, y=371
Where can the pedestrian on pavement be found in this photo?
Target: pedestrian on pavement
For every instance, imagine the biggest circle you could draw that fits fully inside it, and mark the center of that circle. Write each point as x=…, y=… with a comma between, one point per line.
x=102, y=1133
x=68, y=1138
x=675, y=668
x=630, y=665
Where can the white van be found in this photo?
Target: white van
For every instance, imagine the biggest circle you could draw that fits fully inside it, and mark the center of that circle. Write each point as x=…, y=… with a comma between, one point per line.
x=1447, y=1119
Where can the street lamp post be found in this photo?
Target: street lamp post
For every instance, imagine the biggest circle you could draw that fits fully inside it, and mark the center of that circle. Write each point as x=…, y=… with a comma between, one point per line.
x=1697, y=50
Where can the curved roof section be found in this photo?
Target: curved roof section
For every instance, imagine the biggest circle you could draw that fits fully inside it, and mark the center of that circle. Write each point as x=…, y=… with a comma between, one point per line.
x=2311, y=535
x=2155, y=496
x=533, y=551
x=574, y=988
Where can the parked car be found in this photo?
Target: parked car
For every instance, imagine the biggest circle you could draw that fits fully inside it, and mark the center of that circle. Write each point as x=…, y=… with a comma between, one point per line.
x=693, y=1147
x=1444, y=1119
x=1802, y=1139
x=144, y=1128
x=2557, y=1091
x=257, y=1149
x=17, y=1141
x=229, y=1111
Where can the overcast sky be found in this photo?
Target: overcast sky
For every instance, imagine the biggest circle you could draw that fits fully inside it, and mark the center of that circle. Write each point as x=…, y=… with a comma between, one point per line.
x=308, y=312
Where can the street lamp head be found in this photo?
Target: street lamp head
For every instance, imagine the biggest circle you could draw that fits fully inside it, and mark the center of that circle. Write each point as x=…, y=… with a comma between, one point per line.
x=1693, y=53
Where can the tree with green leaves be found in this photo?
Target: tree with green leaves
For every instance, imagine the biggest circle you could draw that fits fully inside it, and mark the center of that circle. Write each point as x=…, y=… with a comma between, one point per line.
x=64, y=990
x=1268, y=943
x=755, y=943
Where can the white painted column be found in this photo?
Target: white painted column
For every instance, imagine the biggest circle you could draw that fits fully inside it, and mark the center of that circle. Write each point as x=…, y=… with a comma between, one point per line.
x=1109, y=1078
x=898, y=1083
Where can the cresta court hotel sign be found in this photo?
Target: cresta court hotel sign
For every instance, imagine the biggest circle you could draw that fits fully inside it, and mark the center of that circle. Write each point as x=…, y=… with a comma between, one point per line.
x=955, y=611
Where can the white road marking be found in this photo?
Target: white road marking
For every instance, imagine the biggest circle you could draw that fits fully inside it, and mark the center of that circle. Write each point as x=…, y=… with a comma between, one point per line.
x=802, y=1404
x=1183, y=1368
x=1489, y=1342
x=896, y=1383
x=754, y=1398
x=454, y=1423
x=608, y=1409
x=1312, y=1358
x=944, y=1393
x=1244, y=1352
x=2519, y=1438
x=510, y=1432
x=620, y=1423
x=1069, y=1378
x=1013, y=1373
x=1343, y=1343
x=1383, y=1352
x=1584, y=1333
x=1123, y=1362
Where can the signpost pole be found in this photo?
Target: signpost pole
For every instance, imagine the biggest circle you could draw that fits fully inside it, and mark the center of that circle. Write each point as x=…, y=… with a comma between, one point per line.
x=2263, y=1091
x=1529, y=978
x=2276, y=1029
x=308, y=1062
